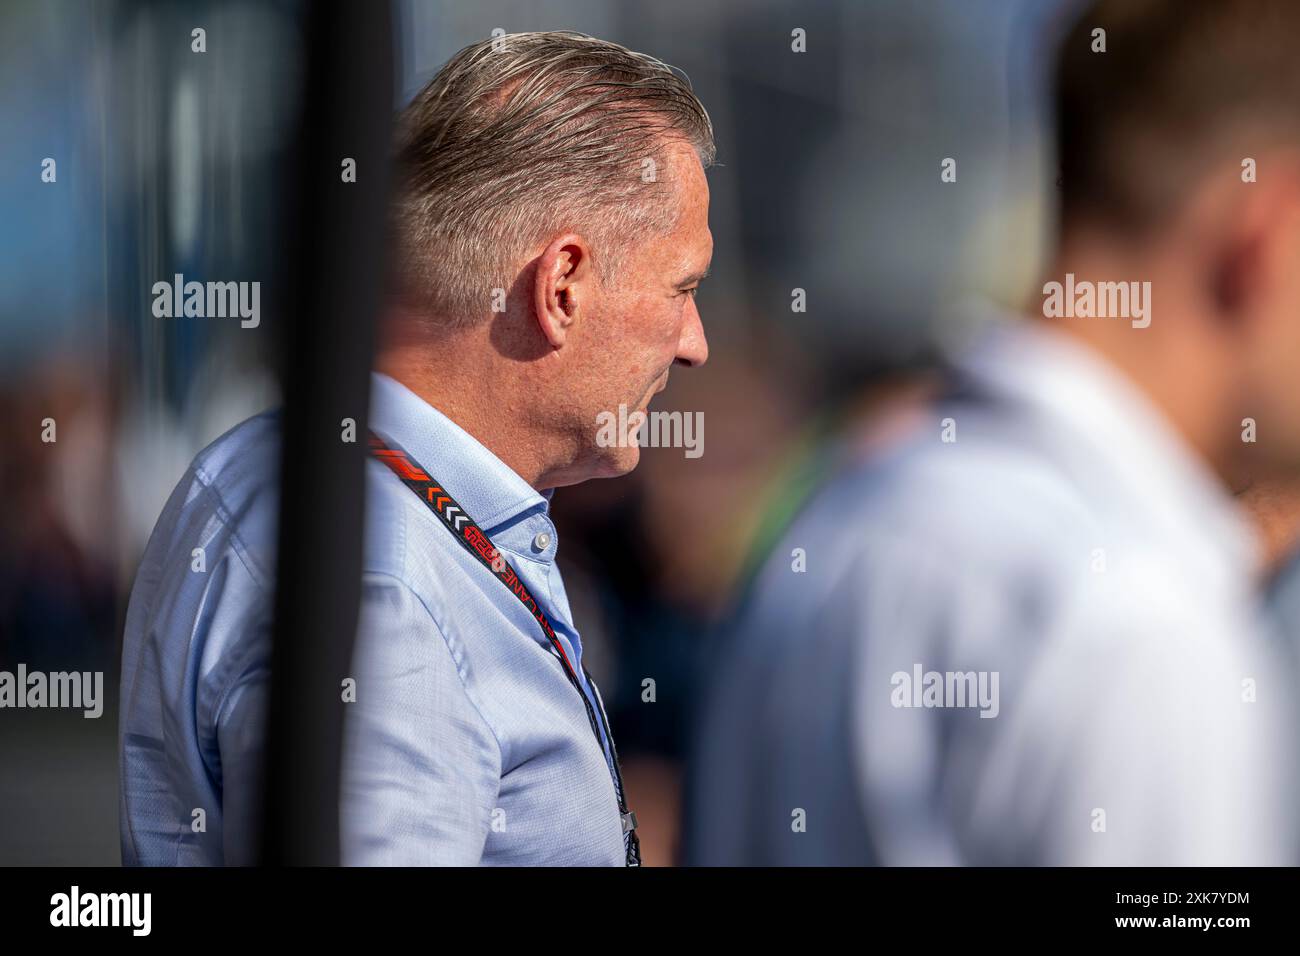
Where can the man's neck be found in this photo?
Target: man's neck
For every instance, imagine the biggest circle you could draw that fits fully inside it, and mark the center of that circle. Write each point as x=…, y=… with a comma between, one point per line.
x=477, y=399
x=1167, y=363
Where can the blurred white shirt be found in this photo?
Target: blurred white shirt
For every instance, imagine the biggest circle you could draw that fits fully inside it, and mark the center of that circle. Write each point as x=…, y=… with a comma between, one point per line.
x=1066, y=541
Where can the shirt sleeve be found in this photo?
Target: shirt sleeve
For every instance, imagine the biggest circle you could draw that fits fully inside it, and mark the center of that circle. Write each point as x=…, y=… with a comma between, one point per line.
x=241, y=734
x=421, y=766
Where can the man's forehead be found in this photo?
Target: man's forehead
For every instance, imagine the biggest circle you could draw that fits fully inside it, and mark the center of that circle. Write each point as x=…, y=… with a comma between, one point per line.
x=697, y=251
x=682, y=167
x=692, y=195
x=689, y=244
x=694, y=261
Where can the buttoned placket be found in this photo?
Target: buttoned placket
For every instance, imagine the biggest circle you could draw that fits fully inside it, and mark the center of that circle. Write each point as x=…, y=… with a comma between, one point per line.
x=541, y=545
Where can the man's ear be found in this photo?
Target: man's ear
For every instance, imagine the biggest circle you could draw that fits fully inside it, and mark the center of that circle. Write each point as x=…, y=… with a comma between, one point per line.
x=561, y=285
x=1255, y=244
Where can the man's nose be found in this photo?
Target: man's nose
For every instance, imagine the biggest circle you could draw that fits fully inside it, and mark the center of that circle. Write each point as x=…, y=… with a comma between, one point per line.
x=692, y=348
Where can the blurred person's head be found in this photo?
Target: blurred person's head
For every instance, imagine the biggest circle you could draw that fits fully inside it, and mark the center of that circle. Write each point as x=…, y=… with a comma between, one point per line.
x=552, y=227
x=1178, y=133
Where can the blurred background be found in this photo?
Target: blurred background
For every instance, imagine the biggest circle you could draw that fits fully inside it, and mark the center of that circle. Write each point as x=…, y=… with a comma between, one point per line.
x=169, y=160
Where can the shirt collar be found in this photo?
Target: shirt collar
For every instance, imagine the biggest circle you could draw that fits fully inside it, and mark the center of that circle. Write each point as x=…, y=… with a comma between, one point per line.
x=1150, y=467
x=484, y=486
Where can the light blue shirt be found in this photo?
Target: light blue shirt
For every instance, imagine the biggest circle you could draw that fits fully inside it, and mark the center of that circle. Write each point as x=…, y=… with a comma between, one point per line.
x=1044, y=525
x=466, y=743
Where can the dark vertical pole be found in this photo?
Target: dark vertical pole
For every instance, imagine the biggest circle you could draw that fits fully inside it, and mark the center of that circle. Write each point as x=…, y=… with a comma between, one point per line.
x=331, y=302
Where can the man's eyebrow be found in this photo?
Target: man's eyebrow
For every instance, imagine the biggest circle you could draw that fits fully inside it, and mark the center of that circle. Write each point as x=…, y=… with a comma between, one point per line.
x=694, y=277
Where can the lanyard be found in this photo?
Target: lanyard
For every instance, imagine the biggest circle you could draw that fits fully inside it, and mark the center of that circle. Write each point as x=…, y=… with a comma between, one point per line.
x=454, y=518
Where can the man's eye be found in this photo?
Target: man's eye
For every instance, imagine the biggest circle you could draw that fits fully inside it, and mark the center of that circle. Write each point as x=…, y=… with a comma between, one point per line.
x=691, y=291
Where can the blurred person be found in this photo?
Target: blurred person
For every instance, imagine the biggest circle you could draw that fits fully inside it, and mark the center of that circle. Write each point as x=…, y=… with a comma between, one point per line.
x=57, y=587
x=1028, y=632
x=543, y=279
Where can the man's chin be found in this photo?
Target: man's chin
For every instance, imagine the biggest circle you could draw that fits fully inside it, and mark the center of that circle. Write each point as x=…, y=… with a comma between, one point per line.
x=619, y=461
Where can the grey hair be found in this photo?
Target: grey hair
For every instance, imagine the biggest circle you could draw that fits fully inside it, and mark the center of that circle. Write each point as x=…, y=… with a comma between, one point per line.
x=522, y=136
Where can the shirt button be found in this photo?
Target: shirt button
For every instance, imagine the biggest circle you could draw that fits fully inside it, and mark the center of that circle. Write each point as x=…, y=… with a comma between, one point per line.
x=542, y=541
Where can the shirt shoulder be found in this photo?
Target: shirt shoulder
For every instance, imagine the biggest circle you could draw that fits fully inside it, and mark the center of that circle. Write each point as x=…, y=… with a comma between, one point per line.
x=207, y=573
x=977, y=507
x=234, y=483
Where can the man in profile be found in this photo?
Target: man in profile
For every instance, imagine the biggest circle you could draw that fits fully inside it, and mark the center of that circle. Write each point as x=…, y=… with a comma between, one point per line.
x=1027, y=634
x=552, y=230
